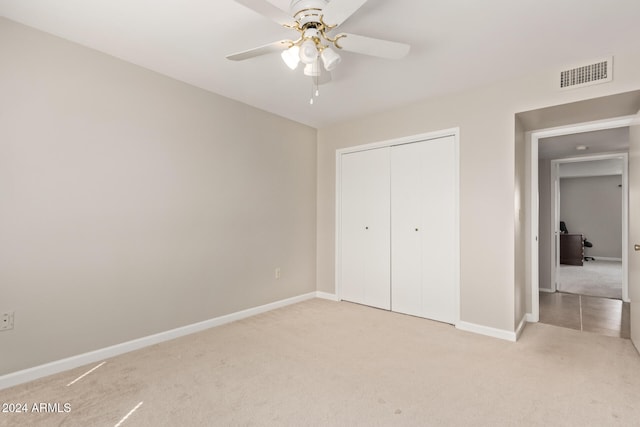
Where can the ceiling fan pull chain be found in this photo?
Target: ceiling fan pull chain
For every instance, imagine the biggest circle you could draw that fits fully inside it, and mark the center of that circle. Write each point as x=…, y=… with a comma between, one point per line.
x=315, y=86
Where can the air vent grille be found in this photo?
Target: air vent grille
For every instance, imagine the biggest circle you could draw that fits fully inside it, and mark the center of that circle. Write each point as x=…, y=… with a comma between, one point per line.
x=586, y=75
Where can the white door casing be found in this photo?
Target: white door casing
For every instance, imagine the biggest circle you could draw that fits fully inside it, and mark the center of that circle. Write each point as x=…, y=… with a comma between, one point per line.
x=634, y=231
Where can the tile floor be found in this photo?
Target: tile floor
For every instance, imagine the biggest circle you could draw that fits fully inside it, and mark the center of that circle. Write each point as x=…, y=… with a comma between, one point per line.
x=603, y=316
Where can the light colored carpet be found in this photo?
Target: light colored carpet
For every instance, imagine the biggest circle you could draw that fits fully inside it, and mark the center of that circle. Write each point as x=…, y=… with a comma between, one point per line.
x=594, y=278
x=322, y=363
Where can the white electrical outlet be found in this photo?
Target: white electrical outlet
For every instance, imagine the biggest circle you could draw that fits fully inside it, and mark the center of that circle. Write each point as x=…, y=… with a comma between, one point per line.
x=6, y=321
x=278, y=273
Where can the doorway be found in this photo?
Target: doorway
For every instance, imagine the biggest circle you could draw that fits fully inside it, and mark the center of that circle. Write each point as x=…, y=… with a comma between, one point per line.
x=589, y=206
x=607, y=112
x=602, y=316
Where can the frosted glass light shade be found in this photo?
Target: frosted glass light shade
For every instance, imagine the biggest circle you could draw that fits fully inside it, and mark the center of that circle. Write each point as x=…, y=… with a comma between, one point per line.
x=312, y=70
x=330, y=59
x=308, y=52
x=291, y=57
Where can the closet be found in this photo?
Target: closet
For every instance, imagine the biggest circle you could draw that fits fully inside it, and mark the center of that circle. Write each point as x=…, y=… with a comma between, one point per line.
x=398, y=227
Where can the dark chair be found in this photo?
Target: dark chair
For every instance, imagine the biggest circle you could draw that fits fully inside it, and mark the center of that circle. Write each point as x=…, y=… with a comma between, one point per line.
x=563, y=228
x=585, y=242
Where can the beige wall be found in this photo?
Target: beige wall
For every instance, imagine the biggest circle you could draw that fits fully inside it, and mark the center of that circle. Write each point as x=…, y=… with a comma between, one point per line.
x=487, y=152
x=133, y=204
x=521, y=253
x=593, y=206
x=545, y=240
x=431, y=116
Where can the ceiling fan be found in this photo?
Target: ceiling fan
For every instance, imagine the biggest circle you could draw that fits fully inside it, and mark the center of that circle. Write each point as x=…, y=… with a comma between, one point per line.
x=314, y=20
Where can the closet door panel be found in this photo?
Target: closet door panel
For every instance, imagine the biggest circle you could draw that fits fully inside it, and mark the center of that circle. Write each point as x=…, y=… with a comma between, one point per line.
x=437, y=183
x=406, y=240
x=365, y=227
x=423, y=229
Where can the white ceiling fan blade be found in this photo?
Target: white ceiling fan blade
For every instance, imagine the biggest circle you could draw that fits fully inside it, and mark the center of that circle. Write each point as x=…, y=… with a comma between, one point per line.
x=338, y=11
x=370, y=46
x=261, y=50
x=267, y=9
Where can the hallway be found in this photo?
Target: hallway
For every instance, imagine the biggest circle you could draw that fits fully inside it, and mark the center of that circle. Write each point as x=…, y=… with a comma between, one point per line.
x=602, y=316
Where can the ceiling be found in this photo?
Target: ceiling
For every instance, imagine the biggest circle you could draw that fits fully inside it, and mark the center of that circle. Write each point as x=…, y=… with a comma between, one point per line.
x=601, y=141
x=604, y=167
x=456, y=45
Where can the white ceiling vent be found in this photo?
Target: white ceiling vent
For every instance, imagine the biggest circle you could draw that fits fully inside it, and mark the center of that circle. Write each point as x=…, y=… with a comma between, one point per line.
x=600, y=71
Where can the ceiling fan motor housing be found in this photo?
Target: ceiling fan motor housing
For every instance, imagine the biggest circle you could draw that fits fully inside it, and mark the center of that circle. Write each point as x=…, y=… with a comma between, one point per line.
x=307, y=11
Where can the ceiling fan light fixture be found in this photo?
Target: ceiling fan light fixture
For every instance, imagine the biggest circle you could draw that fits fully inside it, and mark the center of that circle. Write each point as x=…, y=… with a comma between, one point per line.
x=330, y=59
x=308, y=51
x=313, y=21
x=291, y=57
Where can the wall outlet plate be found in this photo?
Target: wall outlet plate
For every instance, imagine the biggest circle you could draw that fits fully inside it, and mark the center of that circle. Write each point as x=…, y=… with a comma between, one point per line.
x=6, y=321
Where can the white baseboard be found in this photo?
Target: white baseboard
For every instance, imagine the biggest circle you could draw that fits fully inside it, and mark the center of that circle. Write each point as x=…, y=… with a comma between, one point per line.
x=603, y=258
x=30, y=374
x=547, y=290
x=531, y=319
x=326, y=295
x=486, y=330
x=521, y=326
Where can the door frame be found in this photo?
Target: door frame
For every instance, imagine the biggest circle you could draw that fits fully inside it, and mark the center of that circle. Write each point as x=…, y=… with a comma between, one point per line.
x=555, y=207
x=455, y=133
x=533, y=139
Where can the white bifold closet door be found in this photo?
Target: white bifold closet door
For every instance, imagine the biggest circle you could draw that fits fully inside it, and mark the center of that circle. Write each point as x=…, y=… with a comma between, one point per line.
x=365, y=228
x=423, y=230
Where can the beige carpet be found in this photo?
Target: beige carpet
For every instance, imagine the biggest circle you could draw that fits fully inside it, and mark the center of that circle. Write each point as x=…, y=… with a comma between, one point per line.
x=594, y=278
x=325, y=363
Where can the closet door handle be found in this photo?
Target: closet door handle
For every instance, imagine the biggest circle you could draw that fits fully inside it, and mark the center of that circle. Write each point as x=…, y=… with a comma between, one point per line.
x=636, y=247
